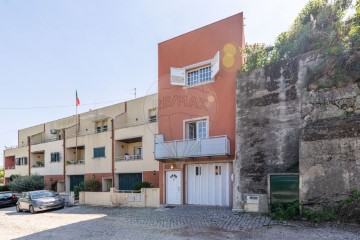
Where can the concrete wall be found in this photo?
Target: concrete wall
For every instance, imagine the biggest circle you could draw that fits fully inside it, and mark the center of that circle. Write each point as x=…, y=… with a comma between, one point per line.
x=286, y=125
x=329, y=160
x=148, y=197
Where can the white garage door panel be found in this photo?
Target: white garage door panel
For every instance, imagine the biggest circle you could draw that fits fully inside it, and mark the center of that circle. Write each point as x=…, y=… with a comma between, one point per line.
x=207, y=188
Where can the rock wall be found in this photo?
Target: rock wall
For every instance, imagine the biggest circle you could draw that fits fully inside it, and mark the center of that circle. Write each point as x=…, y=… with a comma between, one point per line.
x=286, y=126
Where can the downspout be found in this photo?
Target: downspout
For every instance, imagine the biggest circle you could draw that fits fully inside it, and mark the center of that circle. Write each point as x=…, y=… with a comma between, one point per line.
x=29, y=153
x=113, y=152
x=64, y=148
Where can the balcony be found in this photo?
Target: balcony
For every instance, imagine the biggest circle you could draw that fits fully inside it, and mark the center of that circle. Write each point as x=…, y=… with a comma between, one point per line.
x=191, y=148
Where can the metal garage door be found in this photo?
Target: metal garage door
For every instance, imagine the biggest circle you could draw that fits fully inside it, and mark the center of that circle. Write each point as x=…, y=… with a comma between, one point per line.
x=127, y=180
x=209, y=184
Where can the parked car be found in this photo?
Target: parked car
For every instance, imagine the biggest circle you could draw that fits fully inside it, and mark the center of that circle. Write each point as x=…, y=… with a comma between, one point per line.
x=42, y=200
x=8, y=199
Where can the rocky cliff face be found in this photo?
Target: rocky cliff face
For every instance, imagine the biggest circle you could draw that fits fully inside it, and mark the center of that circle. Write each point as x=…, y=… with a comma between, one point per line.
x=283, y=123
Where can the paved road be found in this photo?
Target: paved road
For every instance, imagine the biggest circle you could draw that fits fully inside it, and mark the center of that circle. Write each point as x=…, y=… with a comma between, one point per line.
x=185, y=222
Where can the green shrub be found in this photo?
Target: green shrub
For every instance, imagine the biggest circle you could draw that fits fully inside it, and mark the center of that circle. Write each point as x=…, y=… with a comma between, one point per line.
x=92, y=185
x=4, y=188
x=285, y=211
x=325, y=215
x=77, y=189
x=140, y=185
x=27, y=183
x=12, y=177
x=349, y=209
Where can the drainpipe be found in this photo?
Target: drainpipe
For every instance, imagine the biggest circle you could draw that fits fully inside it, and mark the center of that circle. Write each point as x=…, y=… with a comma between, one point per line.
x=113, y=152
x=64, y=148
x=29, y=153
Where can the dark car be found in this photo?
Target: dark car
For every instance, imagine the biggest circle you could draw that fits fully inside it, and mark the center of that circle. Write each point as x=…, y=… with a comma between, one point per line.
x=42, y=200
x=8, y=199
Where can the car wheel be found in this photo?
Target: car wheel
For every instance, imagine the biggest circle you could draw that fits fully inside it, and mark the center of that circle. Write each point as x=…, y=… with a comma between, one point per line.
x=18, y=208
x=32, y=209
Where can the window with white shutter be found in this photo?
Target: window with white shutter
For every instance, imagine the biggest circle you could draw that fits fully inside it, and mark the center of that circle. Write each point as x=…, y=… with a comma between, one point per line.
x=215, y=65
x=196, y=74
x=177, y=76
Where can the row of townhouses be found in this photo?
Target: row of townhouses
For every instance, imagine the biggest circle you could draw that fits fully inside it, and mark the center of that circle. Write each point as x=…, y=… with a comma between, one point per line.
x=181, y=140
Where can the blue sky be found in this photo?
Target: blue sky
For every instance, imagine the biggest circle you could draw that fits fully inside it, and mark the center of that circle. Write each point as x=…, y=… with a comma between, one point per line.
x=102, y=48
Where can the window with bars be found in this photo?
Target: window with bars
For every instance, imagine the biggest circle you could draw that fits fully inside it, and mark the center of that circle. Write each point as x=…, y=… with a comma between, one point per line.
x=55, y=157
x=99, y=152
x=199, y=75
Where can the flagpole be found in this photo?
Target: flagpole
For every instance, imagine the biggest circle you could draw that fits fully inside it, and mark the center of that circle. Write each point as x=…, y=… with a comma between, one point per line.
x=76, y=152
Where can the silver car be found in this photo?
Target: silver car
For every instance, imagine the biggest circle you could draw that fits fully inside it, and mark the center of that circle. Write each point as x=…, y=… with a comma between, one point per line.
x=42, y=200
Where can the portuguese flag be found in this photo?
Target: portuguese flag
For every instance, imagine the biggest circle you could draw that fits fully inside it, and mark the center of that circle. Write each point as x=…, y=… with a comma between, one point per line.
x=77, y=99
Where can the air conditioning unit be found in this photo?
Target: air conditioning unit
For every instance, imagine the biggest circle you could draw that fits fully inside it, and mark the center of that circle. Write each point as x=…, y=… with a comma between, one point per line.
x=53, y=131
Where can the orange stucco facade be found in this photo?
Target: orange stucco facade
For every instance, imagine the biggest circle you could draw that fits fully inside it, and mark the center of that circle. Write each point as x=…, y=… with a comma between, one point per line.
x=214, y=100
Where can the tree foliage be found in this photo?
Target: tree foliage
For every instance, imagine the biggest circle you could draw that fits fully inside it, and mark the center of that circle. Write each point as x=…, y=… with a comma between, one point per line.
x=319, y=25
x=27, y=183
x=2, y=173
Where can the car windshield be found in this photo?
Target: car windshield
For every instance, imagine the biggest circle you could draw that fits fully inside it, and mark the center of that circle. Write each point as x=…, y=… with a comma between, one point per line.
x=37, y=195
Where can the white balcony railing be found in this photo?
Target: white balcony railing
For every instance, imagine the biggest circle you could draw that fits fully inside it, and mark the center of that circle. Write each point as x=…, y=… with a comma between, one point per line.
x=128, y=157
x=191, y=148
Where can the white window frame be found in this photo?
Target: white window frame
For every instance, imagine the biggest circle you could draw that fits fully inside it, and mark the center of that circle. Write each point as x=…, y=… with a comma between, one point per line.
x=199, y=119
x=179, y=76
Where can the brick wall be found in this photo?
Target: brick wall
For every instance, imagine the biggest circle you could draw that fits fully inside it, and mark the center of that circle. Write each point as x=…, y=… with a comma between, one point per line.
x=97, y=176
x=151, y=178
x=50, y=179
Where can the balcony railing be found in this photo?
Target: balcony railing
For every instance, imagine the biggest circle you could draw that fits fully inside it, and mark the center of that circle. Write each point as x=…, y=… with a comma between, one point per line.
x=128, y=158
x=11, y=167
x=88, y=132
x=73, y=162
x=192, y=148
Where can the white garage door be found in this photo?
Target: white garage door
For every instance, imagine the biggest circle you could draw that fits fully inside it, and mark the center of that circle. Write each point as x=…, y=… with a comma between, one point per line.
x=209, y=184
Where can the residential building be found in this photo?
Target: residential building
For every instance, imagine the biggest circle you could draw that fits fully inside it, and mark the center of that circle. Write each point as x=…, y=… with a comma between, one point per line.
x=113, y=144
x=196, y=88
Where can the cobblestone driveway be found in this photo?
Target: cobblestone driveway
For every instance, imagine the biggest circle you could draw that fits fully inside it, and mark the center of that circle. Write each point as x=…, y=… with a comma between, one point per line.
x=184, y=222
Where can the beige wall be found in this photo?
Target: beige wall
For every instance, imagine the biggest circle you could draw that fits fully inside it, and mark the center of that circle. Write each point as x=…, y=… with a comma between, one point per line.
x=148, y=197
x=19, y=170
x=75, y=169
x=98, y=165
x=139, y=108
x=23, y=134
x=17, y=152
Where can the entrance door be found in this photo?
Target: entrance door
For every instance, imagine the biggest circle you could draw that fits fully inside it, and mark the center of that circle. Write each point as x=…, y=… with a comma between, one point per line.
x=173, y=187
